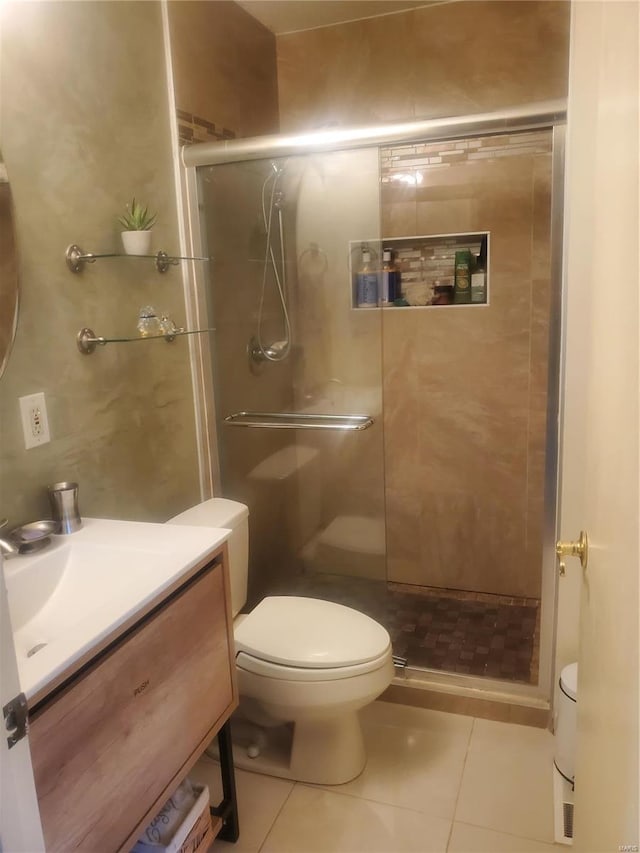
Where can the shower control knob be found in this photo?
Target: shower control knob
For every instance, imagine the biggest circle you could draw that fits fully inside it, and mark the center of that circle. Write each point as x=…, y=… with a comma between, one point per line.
x=578, y=549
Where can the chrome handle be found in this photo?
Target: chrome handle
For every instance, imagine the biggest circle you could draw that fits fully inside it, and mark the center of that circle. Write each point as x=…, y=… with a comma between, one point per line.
x=578, y=549
x=298, y=420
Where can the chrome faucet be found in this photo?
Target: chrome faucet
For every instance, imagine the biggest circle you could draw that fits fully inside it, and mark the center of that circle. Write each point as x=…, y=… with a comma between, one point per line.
x=8, y=549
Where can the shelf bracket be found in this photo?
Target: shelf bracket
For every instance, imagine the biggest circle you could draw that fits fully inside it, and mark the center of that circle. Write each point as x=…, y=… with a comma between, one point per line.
x=76, y=258
x=87, y=341
x=164, y=261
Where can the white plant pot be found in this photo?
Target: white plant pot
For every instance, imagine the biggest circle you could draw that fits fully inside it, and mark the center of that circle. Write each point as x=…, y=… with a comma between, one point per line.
x=136, y=242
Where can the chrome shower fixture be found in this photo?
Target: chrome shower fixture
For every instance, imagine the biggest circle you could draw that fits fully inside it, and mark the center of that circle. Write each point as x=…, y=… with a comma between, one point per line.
x=274, y=352
x=259, y=351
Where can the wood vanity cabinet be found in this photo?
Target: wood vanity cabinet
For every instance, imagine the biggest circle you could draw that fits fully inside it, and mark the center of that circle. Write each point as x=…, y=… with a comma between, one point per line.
x=111, y=744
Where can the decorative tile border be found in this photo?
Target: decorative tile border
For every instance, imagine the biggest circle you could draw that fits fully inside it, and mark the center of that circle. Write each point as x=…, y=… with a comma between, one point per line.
x=397, y=162
x=192, y=128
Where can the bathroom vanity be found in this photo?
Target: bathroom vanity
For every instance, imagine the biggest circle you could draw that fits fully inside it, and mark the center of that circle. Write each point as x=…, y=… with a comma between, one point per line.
x=117, y=727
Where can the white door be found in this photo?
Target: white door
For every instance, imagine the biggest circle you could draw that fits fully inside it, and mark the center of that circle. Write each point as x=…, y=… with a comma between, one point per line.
x=20, y=830
x=600, y=437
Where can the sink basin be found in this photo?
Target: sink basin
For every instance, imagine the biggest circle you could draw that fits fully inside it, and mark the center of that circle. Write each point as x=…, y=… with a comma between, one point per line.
x=63, y=586
x=66, y=599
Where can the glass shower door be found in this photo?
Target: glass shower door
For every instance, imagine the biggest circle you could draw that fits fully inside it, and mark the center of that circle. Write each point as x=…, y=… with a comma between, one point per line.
x=286, y=237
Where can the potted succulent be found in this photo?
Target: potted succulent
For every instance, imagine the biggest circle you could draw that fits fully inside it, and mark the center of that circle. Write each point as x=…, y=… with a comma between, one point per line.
x=137, y=223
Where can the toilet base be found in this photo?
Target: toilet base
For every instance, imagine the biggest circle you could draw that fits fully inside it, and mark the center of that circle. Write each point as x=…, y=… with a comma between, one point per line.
x=328, y=751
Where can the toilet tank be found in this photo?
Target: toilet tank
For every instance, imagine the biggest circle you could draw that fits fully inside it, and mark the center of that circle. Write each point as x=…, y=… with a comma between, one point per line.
x=220, y=512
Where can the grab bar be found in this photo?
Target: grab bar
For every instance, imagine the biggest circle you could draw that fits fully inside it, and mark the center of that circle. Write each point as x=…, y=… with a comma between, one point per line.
x=298, y=420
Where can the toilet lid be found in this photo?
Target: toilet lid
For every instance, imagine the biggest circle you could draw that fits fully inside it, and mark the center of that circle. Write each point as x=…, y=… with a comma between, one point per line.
x=309, y=632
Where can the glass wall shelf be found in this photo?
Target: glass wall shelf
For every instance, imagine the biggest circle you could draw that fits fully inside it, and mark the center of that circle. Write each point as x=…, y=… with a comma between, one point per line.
x=76, y=258
x=87, y=340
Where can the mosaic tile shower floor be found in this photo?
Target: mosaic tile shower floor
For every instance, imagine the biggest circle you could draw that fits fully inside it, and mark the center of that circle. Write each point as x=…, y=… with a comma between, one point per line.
x=471, y=633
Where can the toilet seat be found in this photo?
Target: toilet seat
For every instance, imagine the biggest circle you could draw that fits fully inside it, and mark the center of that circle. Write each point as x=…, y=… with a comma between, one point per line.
x=281, y=672
x=308, y=639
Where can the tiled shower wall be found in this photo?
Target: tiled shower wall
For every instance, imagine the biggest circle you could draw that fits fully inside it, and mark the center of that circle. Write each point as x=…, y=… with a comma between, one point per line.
x=440, y=60
x=224, y=66
x=465, y=388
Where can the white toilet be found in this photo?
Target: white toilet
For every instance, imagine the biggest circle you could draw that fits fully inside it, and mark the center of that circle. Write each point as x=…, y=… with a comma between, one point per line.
x=305, y=667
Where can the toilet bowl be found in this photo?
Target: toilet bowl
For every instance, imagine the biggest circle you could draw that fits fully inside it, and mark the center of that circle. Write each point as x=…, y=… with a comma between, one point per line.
x=305, y=668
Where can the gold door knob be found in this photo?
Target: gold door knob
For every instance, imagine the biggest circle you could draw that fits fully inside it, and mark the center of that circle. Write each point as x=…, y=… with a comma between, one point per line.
x=573, y=549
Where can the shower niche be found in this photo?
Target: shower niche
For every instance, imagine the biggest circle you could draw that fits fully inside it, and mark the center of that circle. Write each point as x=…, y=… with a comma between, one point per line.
x=425, y=269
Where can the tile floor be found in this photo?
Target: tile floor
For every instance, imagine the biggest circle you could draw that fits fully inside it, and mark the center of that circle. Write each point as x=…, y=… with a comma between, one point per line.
x=451, y=630
x=434, y=782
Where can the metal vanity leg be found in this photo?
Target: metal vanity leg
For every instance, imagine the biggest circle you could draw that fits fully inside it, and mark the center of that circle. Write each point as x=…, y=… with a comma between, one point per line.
x=228, y=808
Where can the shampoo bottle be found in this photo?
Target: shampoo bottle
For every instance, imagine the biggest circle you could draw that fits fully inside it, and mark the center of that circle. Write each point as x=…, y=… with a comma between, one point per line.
x=366, y=283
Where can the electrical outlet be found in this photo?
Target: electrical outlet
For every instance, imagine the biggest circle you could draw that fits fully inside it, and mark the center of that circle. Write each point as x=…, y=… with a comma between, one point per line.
x=35, y=424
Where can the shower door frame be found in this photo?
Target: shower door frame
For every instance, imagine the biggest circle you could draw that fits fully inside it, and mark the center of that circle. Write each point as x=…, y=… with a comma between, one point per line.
x=548, y=115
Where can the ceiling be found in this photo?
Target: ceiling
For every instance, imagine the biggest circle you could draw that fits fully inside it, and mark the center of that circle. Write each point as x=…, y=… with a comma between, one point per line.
x=285, y=16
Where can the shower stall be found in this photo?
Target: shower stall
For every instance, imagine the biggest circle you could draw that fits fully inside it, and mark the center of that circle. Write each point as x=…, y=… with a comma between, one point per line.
x=399, y=458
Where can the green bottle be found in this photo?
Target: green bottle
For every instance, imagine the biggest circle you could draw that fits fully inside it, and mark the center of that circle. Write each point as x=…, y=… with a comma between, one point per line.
x=462, y=285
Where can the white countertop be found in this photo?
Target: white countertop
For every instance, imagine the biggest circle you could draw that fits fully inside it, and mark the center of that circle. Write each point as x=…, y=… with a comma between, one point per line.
x=81, y=588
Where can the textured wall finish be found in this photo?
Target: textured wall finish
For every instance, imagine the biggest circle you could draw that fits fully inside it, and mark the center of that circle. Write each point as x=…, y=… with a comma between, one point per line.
x=84, y=128
x=447, y=59
x=224, y=65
